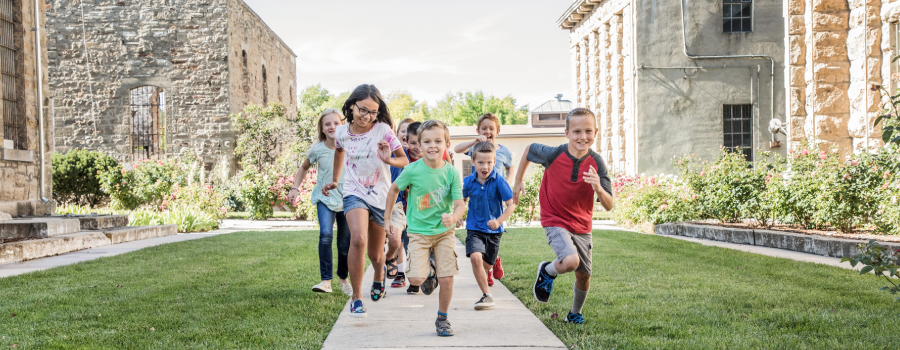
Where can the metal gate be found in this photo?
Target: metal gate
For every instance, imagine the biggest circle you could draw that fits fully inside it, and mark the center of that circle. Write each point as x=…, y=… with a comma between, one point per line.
x=147, y=122
x=13, y=121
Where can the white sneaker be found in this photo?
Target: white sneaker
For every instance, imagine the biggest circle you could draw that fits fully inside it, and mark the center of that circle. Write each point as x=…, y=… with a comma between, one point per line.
x=346, y=287
x=322, y=287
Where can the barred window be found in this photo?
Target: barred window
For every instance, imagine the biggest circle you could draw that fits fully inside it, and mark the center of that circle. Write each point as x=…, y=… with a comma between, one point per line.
x=13, y=119
x=466, y=168
x=738, y=121
x=737, y=16
x=148, y=122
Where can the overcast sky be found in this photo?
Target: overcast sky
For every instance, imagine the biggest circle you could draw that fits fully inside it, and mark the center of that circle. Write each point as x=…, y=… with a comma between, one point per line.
x=509, y=47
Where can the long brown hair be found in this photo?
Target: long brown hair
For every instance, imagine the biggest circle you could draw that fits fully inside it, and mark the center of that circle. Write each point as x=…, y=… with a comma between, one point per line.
x=363, y=92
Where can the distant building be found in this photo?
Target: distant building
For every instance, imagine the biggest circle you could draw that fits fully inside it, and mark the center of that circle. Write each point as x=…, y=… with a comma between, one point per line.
x=551, y=114
x=515, y=137
x=161, y=76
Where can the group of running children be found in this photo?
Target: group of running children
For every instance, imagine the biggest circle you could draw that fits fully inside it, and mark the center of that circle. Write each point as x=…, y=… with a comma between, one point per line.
x=378, y=184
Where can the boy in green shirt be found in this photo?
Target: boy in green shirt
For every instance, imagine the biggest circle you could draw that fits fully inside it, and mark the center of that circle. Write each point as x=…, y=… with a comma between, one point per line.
x=434, y=185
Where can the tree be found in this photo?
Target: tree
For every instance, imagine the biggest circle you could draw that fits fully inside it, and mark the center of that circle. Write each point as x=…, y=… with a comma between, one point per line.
x=402, y=105
x=464, y=108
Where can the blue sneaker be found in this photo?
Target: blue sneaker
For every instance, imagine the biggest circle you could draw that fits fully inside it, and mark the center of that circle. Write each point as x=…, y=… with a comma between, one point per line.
x=575, y=318
x=357, y=309
x=543, y=285
x=378, y=292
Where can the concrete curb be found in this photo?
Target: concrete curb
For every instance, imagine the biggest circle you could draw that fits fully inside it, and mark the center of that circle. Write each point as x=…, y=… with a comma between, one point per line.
x=810, y=244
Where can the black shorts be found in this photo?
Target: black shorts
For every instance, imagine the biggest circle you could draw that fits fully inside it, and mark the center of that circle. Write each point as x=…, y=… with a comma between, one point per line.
x=488, y=244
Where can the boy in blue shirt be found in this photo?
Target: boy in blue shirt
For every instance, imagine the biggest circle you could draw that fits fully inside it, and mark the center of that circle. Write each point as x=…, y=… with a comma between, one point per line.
x=486, y=191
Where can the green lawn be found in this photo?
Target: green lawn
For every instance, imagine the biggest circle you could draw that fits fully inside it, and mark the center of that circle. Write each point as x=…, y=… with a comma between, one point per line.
x=241, y=290
x=661, y=293
x=243, y=215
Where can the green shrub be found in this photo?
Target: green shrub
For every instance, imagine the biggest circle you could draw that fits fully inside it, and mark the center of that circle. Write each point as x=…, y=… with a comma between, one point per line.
x=654, y=200
x=76, y=176
x=529, y=205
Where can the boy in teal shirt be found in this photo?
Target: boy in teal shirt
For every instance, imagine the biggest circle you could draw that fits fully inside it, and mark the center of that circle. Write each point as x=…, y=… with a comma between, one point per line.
x=435, y=188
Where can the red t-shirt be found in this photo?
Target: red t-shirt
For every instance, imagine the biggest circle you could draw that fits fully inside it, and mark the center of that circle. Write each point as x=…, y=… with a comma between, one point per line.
x=566, y=200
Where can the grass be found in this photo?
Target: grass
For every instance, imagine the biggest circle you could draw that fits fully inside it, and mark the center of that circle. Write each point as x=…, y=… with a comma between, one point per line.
x=243, y=215
x=661, y=293
x=241, y=290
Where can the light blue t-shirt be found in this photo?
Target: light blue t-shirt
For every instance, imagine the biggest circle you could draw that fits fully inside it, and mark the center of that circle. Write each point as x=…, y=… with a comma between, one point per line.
x=504, y=160
x=324, y=157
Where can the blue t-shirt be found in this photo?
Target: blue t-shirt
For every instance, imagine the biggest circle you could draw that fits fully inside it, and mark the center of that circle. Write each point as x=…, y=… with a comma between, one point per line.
x=485, y=201
x=395, y=172
x=504, y=160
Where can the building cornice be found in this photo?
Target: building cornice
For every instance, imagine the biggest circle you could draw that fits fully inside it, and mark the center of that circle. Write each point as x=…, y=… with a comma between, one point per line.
x=576, y=12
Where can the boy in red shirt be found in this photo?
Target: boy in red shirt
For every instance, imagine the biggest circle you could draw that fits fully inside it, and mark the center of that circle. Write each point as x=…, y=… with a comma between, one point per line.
x=573, y=175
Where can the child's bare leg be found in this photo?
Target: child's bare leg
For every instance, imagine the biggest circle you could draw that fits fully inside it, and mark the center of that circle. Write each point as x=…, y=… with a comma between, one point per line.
x=395, y=242
x=487, y=267
x=358, y=221
x=479, y=271
x=376, y=250
x=567, y=264
x=416, y=281
x=446, y=293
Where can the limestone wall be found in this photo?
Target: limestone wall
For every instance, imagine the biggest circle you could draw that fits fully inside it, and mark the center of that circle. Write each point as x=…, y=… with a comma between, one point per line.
x=20, y=170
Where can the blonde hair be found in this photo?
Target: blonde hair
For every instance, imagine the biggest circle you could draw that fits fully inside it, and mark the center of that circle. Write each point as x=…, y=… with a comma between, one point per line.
x=433, y=123
x=322, y=116
x=404, y=121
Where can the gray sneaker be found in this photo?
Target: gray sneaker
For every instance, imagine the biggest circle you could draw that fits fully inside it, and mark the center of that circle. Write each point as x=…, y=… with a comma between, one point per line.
x=443, y=327
x=486, y=302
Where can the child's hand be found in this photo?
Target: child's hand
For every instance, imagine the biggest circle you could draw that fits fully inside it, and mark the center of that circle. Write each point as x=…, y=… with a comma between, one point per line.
x=480, y=138
x=447, y=219
x=329, y=187
x=384, y=151
x=591, y=177
x=493, y=224
x=517, y=191
x=459, y=223
x=387, y=226
x=292, y=196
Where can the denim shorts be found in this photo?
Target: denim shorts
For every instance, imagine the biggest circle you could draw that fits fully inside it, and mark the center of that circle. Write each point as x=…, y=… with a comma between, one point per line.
x=353, y=202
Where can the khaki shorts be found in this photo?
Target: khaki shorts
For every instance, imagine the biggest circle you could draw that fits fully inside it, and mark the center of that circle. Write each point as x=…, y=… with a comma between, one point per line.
x=398, y=218
x=420, y=246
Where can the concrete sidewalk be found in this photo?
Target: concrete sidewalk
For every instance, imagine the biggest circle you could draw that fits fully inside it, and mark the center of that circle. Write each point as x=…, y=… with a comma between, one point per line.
x=227, y=226
x=406, y=321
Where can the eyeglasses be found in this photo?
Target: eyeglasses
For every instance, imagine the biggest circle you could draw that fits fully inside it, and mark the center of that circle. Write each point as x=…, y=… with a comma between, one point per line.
x=366, y=111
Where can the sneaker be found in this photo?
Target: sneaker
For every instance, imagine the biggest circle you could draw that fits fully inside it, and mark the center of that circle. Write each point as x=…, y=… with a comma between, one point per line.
x=486, y=302
x=431, y=282
x=575, y=318
x=498, y=269
x=399, y=282
x=443, y=328
x=322, y=287
x=378, y=292
x=346, y=287
x=490, y=278
x=412, y=289
x=543, y=285
x=357, y=309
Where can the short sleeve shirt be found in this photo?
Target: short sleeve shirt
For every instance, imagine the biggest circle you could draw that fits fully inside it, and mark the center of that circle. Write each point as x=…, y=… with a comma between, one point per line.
x=431, y=194
x=504, y=160
x=485, y=201
x=323, y=157
x=566, y=200
x=365, y=175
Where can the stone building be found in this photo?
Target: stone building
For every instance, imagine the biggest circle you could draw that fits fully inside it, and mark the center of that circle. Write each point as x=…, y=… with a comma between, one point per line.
x=161, y=76
x=24, y=154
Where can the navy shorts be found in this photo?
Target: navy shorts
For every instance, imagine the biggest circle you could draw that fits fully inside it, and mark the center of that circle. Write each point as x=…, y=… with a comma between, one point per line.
x=353, y=202
x=488, y=244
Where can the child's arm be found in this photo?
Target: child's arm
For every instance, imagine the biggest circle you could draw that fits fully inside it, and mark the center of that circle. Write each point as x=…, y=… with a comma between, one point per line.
x=520, y=174
x=592, y=178
x=510, y=208
x=459, y=206
x=463, y=147
x=509, y=173
x=399, y=160
x=338, y=167
x=299, y=178
x=389, y=206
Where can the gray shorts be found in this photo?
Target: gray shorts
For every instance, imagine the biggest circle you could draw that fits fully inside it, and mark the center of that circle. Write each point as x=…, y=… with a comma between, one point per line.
x=565, y=243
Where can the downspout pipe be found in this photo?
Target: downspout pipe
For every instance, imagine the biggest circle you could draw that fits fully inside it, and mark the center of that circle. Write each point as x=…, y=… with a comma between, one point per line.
x=771, y=60
x=40, y=95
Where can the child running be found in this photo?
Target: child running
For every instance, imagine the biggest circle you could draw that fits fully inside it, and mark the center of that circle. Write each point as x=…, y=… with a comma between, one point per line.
x=436, y=186
x=329, y=208
x=397, y=234
x=574, y=174
x=365, y=146
x=486, y=191
x=488, y=128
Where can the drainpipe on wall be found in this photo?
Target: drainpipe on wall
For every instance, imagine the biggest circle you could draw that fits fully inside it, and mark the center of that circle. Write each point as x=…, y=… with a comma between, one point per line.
x=772, y=60
x=40, y=95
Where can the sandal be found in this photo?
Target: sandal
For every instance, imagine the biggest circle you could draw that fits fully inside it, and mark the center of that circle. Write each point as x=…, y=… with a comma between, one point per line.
x=391, y=268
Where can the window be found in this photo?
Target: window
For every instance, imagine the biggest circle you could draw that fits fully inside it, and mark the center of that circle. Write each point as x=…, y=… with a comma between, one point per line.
x=738, y=121
x=148, y=116
x=737, y=16
x=244, y=57
x=895, y=46
x=550, y=117
x=467, y=167
x=265, y=88
x=13, y=119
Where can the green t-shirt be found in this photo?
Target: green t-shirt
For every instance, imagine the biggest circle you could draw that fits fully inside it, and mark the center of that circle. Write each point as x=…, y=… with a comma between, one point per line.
x=431, y=194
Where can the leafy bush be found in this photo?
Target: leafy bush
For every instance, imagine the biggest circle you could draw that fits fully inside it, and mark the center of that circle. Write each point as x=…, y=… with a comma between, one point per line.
x=529, y=204
x=652, y=199
x=881, y=260
x=76, y=176
x=187, y=217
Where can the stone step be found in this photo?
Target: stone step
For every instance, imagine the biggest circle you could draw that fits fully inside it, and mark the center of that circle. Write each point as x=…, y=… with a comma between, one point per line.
x=38, y=227
x=136, y=233
x=39, y=248
x=102, y=222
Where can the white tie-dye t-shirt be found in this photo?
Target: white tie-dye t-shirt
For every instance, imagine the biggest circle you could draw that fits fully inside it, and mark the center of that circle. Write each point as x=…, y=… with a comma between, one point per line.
x=365, y=175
